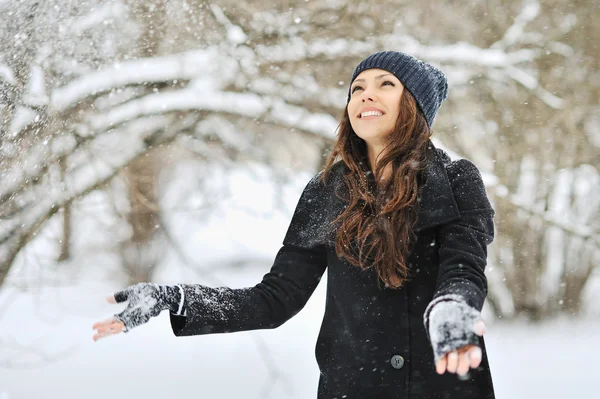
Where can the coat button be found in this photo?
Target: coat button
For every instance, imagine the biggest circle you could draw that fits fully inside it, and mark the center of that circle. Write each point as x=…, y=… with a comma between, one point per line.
x=397, y=361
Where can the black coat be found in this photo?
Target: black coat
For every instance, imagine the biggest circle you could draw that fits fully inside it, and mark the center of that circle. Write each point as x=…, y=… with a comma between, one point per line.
x=365, y=324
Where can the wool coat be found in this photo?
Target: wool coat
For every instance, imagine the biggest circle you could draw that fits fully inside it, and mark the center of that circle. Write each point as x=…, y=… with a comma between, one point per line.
x=372, y=342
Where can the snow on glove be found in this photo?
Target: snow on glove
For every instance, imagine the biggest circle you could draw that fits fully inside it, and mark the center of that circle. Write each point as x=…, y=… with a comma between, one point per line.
x=147, y=300
x=449, y=322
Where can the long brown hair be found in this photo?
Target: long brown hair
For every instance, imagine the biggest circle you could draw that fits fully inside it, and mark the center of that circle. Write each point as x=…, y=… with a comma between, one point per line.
x=376, y=228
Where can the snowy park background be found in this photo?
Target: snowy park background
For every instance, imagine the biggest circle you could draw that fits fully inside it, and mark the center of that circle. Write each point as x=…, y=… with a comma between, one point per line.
x=170, y=141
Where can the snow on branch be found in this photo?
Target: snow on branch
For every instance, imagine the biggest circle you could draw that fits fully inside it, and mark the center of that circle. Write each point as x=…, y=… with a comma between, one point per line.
x=122, y=147
x=241, y=104
x=235, y=34
x=7, y=74
x=100, y=16
x=35, y=94
x=301, y=119
x=22, y=117
x=184, y=66
x=229, y=134
x=558, y=219
x=300, y=89
x=511, y=36
x=244, y=104
x=460, y=55
x=297, y=49
x=532, y=84
x=583, y=231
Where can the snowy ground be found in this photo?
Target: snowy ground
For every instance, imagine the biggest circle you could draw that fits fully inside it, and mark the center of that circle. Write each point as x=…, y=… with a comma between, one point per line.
x=46, y=347
x=554, y=360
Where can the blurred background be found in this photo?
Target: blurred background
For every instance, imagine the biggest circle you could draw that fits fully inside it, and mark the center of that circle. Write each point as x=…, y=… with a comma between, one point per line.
x=169, y=141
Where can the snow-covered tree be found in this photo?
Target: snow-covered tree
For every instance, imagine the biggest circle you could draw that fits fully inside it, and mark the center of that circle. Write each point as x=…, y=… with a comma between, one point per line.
x=90, y=90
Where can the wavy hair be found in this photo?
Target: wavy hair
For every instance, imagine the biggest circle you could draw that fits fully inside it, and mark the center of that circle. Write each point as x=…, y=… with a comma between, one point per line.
x=376, y=228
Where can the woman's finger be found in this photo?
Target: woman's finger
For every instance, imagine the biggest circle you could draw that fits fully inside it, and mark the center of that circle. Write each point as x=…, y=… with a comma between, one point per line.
x=112, y=327
x=463, y=363
x=105, y=330
x=452, y=361
x=440, y=366
x=103, y=323
x=479, y=328
x=99, y=336
x=475, y=357
x=104, y=333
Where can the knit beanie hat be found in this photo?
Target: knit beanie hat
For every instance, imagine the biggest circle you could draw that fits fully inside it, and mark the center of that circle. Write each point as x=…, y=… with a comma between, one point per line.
x=425, y=82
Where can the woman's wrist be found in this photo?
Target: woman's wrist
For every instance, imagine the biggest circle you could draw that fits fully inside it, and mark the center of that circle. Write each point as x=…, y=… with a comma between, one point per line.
x=173, y=297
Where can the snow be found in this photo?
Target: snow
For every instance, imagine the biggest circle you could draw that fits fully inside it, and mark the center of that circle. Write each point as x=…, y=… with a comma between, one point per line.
x=227, y=132
x=532, y=83
x=23, y=117
x=529, y=12
x=6, y=74
x=113, y=150
x=235, y=34
x=245, y=104
x=183, y=66
x=523, y=200
x=47, y=311
x=289, y=115
x=36, y=95
x=150, y=362
x=103, y=14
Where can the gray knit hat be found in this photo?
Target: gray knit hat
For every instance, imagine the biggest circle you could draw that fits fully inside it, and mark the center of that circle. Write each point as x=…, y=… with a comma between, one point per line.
x=425, y=82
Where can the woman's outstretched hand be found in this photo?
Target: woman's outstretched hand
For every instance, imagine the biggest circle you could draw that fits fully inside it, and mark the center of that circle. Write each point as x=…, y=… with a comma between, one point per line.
x=462, y=360
x=108, y=327
x=146, y=300
x=455, y=329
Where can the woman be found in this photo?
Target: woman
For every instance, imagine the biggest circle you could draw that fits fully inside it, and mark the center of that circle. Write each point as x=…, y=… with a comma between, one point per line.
x=403, y=233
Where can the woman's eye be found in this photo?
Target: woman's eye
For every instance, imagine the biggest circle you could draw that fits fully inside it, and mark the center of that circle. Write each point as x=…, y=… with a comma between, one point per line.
x=388, y=82
x=355, y=88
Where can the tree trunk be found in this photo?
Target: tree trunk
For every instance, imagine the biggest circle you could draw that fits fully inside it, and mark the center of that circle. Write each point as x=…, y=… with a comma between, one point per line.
x=143, y=251
x=65, y=243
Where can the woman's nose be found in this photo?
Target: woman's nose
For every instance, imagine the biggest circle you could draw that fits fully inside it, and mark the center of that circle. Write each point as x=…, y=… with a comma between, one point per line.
x=366, y=96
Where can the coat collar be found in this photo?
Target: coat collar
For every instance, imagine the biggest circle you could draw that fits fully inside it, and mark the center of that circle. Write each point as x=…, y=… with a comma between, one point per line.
x=436, y=200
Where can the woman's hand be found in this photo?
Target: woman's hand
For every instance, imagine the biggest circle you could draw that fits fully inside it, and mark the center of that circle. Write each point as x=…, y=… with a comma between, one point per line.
x=462, y=360
x=108, y=327
x=145, y=300
x=455, y=330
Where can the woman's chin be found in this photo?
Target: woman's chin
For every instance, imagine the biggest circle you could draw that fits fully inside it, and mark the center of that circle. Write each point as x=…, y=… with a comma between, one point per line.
x=372, y=137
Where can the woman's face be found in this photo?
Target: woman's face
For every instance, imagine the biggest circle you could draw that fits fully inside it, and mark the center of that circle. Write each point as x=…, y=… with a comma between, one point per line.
x=374, y=105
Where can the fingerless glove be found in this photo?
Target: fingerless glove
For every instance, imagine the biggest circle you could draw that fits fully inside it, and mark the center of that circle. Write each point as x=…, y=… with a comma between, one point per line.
x=449, y=322
x=147, y=300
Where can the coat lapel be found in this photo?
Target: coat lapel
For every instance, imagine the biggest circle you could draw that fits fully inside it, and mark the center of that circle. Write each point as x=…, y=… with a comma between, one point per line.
x=436, y=200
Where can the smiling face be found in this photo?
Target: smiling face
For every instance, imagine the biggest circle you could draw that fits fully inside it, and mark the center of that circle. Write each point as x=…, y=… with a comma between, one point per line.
x=374, y=105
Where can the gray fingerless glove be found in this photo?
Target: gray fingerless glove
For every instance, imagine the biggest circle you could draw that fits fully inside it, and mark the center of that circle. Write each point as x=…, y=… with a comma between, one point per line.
x=147, y=300
x=449, y=322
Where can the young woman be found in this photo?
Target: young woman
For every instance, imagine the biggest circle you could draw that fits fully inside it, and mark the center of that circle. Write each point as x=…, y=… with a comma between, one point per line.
x=402, y=232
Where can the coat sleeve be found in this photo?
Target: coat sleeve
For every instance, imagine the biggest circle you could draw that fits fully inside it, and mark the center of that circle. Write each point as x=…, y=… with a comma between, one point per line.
x=283, y=291
x=463, y=243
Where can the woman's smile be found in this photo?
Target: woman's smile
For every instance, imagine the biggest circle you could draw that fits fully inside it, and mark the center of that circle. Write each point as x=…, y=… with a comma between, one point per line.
x=370, y=113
